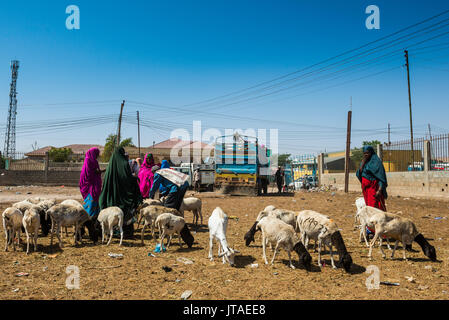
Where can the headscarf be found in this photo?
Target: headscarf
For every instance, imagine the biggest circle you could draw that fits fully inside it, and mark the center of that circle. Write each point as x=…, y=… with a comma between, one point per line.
x=164, y=165
x=374, y=170
x=120, y=188
x=146, y=176
x=90, y=179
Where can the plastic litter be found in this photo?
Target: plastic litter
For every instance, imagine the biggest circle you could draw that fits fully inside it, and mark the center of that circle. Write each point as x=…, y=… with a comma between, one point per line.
x=115, y=255
x=388, y=283
x=254, y=265
x=186, y=294
x=167, y=269
x=158, y=248
x=22, y=274
x=151, y=255
x=184, y=260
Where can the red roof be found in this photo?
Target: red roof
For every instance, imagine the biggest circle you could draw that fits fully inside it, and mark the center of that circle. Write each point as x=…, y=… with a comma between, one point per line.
x=171, y=143
x=76, y=148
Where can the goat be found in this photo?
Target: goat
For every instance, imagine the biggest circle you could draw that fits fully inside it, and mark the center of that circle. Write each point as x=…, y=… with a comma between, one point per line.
x=401, y=229
x=287, y=216
x=171, y=224
x=321, y=228
x=144, y=204
x=63, y=215
x=31, y=221
x=192, y=204
x=150, y=213
x=108, y=219
x=218, y=224
x=363, y=215
x=283, y=235
x=12, y=224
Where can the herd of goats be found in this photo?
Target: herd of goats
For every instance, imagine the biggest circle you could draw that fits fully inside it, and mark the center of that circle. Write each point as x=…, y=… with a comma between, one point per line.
x=279, y=228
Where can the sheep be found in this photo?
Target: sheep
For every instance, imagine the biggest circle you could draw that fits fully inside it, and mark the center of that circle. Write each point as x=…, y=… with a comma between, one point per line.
x=35, y=200
x=287, y=216
x=149, y=215
x=360, y=204
x=192, y=204
x=282, y=235
x=170, y=224
x=31, y=221
x=401, y=229
x=71, y=202
x=363, y=215
x=269, y=208
x=108, y=218
x=23, y=205
x=63, y=215
x=12, y=224
x=321, y=228
x=218, y=224
x=144, y=204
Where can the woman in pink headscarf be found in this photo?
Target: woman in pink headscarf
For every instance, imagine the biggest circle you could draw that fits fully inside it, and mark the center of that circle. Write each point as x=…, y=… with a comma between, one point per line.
x=146, y=176
x=90, y=182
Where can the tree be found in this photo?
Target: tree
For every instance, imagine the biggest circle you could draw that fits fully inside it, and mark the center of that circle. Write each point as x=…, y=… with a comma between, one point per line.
x=111, y=142
x=357, y=153
x=283, y=159
x=60, y=154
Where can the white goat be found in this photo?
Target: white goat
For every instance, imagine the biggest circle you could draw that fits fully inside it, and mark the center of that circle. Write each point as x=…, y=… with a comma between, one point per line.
x=12, y=224
x=146, y=203
x=321, y=228
x=218, y=224
x=286, y=216
x=108, y=219
x=364, y=214
x=170, y=224
x=401, y=229
x=31, y=222
x=63, y=215
x=192, y=204
x=150, y=214
x=282, y=236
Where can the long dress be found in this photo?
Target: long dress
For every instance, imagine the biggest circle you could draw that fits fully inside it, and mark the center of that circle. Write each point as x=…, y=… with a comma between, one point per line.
x=146, y=175
x=90, y=182
x=120, y=189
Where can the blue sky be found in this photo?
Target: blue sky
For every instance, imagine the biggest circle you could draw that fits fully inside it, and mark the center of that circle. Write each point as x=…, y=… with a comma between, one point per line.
x=175, y=53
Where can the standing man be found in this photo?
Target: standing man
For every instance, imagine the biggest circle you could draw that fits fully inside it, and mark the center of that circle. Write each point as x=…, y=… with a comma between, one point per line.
x=196, y=180
x=279, y=179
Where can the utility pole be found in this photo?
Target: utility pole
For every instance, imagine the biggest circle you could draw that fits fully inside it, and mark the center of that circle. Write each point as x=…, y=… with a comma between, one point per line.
x=138, y=131
x=389, y=151
x=348, y=149
x=410, y=108
x=120, y=123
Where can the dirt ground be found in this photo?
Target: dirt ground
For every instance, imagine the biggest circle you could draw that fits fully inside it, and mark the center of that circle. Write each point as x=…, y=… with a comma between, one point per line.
x=140, y=276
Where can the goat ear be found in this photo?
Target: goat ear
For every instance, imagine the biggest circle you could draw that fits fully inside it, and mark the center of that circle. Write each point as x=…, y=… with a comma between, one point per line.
x=236, y=251
x=221, y=254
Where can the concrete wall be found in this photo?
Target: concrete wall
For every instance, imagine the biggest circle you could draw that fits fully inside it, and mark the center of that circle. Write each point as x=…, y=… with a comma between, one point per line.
x=58, y=178
x=432, y=184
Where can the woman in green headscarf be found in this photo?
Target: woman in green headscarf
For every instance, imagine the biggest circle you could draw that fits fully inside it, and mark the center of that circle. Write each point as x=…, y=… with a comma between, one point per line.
x=121, y=189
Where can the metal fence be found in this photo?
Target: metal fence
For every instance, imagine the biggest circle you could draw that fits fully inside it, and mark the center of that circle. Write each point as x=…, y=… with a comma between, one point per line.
x=400, y=156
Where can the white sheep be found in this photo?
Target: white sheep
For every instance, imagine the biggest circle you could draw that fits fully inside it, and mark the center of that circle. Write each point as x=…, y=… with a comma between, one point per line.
x=23, y=205
x=321, y=228
x=269, y=208
x=63, y=215
x=150, y=213
x=31, y=222
x=364, y=215
x=282, y=235
x=144, y=204
x=218, y=224
x=171, y=224
x=192, y=204
x=401, y=229
x=71, y=202
x=286, y=216
x=12, y=224
x=108, y=219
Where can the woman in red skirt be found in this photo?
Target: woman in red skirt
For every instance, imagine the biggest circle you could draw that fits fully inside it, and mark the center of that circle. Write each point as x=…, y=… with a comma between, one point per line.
x=373, y=178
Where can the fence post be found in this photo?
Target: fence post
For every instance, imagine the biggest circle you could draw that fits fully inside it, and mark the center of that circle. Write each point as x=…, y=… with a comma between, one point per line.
x=320, y=168
x=47, y=162
x=427, y=155
x=380, y=152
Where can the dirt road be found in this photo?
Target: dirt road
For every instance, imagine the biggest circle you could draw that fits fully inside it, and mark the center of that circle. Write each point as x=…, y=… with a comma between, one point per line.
x=140, y=276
